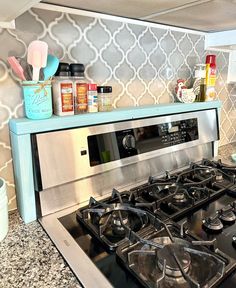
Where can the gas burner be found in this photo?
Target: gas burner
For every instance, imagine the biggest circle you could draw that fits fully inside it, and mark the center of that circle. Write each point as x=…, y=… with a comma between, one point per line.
x=110, y=220
x=180, y=197
x=161, y=191
x=168, y=178
x=218, y=176
x=150, y=193
x=196, y=175
x=213, y=224
x=227, y=215
x=218, y=164
x=202, y=169
x=117, y=222
x=208, y=171
x=168, y=254
x=198, y=193
x=168, y=258
x=228, y=170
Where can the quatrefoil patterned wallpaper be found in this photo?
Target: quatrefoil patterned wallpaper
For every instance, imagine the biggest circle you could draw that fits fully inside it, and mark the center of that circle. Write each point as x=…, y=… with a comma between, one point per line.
x=141, y=63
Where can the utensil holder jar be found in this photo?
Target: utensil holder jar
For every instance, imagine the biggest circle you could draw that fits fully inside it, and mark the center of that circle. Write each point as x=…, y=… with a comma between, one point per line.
x=37, y=99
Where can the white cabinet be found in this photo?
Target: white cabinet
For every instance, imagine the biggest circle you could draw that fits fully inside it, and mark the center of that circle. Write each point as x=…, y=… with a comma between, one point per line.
x=9, y=10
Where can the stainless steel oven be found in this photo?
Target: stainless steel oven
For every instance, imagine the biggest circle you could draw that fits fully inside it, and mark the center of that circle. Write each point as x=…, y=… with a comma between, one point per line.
x=114, y=199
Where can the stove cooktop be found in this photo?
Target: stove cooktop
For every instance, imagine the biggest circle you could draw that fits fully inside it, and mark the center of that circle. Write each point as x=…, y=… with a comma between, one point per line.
x=134, y=227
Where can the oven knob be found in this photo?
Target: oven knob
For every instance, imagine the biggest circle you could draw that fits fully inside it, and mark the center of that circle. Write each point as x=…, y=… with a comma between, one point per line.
x=128, y=142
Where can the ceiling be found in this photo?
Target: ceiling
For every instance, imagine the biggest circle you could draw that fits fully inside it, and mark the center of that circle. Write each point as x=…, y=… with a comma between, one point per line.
x=203, y=15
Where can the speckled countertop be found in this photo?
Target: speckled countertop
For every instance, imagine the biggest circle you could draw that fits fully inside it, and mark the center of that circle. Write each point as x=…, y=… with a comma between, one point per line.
x=28, y=258
x=226, y=151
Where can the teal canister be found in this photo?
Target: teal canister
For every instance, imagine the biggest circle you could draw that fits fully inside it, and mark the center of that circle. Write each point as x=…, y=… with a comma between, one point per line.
x=37, y=99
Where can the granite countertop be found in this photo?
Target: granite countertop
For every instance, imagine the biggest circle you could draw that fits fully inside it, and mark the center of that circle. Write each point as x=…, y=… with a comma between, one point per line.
x=227, y=150
x=30, y=259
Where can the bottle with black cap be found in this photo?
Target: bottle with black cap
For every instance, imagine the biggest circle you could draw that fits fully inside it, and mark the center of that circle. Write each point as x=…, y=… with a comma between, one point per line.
x=63, y=102
x=80, y=87
x=104, y=98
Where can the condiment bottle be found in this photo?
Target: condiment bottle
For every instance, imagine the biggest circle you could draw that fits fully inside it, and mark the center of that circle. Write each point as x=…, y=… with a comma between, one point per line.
x=210, y=77
x=80, y=88
x=199, y=82
x=104, y=98
x=92, y=98
x=63, y=91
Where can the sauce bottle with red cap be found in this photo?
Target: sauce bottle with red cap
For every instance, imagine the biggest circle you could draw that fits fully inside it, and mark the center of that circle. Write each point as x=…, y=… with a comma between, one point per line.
x=210, y=77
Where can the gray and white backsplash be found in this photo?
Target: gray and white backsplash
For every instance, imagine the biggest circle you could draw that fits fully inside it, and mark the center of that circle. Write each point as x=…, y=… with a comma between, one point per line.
x=141, y=63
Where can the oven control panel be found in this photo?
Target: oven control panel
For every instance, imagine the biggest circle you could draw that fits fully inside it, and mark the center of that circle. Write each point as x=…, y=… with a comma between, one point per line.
x=179, y=132
x=107, y=147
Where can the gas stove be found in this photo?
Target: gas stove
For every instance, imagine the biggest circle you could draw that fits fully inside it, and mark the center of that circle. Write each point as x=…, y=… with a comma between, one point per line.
x=138, y=234
x=154, y=208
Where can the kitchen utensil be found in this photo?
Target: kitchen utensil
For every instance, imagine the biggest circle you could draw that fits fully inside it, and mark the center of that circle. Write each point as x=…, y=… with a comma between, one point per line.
x=25, y=66
x=37, y=57
x=16, y=67
x=51, y=67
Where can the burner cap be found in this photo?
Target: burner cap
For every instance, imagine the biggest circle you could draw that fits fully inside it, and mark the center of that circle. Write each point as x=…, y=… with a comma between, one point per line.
x=180, y=197
x=172, y=268
x=226, y=214
x=117, y=225
x=213, y=224
x=219, y=176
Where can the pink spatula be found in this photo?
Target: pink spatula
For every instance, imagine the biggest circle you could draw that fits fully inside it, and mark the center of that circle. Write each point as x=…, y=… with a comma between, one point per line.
x=37, y=57
x=16, y=67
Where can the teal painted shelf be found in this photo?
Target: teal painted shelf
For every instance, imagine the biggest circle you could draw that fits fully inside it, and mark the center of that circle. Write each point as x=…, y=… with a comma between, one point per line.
x=23, y=126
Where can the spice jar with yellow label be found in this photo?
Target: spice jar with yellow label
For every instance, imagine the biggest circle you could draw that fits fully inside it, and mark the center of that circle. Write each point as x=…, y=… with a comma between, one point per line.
x=104, y=98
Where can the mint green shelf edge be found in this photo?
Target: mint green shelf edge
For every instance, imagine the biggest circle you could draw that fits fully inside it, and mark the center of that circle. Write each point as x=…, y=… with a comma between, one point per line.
x=23, y=175
x=25, y=126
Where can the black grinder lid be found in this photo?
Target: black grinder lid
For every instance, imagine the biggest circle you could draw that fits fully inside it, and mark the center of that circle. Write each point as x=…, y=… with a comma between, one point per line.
x=77, y=69
x=63, y=69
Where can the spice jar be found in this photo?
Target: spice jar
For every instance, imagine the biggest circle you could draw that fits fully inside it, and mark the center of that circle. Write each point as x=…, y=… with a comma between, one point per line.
x=104, y=98
x=63, y=91
x=80, y=88
x=92, y=98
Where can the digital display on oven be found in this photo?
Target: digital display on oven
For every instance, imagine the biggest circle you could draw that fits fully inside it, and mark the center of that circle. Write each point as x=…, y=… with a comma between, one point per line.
x=117, y=145
x=173, y=129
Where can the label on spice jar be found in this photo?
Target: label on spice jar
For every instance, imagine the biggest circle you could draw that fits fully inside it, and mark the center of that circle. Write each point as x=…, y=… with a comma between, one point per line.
x=67, y=97
x=81, y=102
x=92, y=101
